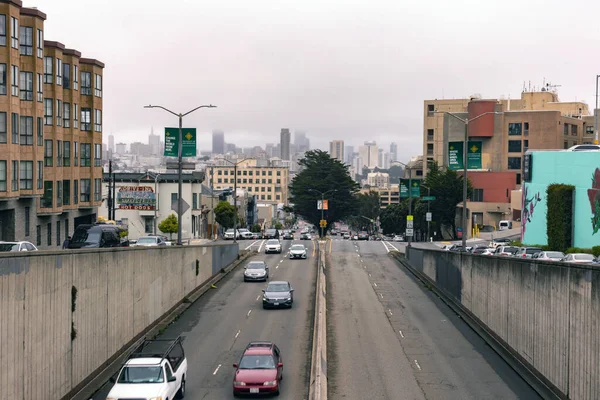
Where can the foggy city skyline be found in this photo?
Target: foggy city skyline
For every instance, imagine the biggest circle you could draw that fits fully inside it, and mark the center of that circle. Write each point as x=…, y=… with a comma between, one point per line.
x=337, y=70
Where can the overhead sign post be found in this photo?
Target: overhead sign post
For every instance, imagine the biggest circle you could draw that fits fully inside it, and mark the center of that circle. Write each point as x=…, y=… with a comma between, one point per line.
x=188, y=147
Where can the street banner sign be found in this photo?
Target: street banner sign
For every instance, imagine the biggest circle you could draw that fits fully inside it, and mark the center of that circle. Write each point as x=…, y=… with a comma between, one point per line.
x=404, y=188
x=474, y=155
x=428, y=217
x=416, y=188
x=456, y=160
x=172, y=142
x=322, y=204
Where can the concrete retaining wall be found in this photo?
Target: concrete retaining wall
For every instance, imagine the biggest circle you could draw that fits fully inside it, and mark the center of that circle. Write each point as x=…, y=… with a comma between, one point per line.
x=546, y=314
x=63, y=314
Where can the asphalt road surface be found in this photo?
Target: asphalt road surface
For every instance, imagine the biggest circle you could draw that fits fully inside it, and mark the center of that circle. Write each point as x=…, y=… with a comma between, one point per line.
x=391, y=338
x=217, y=328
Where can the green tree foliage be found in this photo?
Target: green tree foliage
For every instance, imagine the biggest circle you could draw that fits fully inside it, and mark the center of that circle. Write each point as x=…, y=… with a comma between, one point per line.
x=256, y=228
x=278, y=225
x=322, y=173
x=559, y=218
x=393, y=217
x=224, y=214
x=396, y=172
x=369, y=205
x=169, y=225
x=446, y=186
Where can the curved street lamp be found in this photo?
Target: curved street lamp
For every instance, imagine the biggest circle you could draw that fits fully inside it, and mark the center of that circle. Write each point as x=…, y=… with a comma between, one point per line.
x=322, y=203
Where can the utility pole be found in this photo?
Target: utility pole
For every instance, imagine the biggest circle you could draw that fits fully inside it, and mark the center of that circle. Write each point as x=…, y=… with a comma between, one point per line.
x=156, y=202
x=212, y=202
x=114, y=196
x=409, y=199
x=110, y=199
x=465, y=183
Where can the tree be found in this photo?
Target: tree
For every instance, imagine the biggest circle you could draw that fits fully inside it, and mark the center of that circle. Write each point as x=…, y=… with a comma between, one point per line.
x=321, y=173
x=169, y=225
x=393, y=218
x=369, y=205
x=256, y=228
x=278, y=225
x=224, y=214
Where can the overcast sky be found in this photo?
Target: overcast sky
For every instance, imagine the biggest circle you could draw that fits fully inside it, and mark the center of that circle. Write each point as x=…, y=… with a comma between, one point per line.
x=343, y=69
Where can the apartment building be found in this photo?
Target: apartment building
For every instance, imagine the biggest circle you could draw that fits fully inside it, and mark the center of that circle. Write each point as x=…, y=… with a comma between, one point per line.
x=336, y=150
x=268, y=183
x=378, y=179
x=387, y=195
x=50, y=132
x=506, y=129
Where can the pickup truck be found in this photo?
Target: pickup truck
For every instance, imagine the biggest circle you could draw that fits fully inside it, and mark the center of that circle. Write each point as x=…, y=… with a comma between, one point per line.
x=157, y=369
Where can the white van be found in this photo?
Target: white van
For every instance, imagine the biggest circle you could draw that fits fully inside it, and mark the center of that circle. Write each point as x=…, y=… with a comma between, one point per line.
x=504, y=225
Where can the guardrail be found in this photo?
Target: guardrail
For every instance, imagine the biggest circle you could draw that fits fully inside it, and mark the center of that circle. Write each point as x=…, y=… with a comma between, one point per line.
x=318, y=368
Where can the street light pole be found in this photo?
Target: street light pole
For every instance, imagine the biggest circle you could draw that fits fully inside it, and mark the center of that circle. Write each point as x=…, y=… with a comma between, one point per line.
x=235, y=216
x=322, y=204
x=596, y=114
x=156, y=201
x=180, y=164
x=212, y=203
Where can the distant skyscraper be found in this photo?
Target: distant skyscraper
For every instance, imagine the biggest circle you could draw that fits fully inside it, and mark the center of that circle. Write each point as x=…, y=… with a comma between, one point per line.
x=285, y=144
x=369, y=153
x=230, y=148
x=336, y=150
x=218, y=142
x=121, y=148
x=154, y=143
x=349, y=154
x=269, y=149
x=111, y=143
x=393, y=151
x=384, y=159
x=301, y=142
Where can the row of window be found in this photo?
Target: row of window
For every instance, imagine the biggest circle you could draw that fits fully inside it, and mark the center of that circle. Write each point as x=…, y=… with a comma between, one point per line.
x=26, y=37
x=264, y=181
x=517, y=146
x=62, y=73
x=38, y=230
x=82, y=154
x=63, y=116
x=262, y=196
x=59, y=193
x=247, y=172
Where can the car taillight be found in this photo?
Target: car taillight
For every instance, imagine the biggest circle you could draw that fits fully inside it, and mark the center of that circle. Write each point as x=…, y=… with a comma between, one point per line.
x=524, y=255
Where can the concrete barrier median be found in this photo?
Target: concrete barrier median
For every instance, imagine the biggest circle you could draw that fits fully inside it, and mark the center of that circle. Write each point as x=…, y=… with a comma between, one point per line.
x=318, y=368
x=65, y=314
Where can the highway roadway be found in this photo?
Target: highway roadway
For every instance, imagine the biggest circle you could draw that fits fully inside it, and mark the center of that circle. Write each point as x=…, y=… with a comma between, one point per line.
x=389, y=337
x=217, y=328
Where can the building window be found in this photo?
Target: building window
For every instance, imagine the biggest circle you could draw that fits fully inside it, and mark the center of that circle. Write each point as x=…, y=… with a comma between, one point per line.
x=48, y=111
x=514, y=146
x=15, y=128
x=97, y=155
x=525, y=145
x=48, y=153
x=566, y=145
x=86, y=155
x=3, y=79
x=26, y=86
x=430, y=134
x=75, y=77
x=3, y=128
x=40, y=43
x=98, y=120
x=59, y=110
x=3, y=176
x=589, y=130
x=58, y=233
x=86, y=119
x=67, y=76
x=514, y=162
x=14, y=36
x=15, y=176
x=66, y=227
x=85, y=191
x=2, y=30
x=67, y=115
x=59, y=71
x=518, y=179
x=430, y=110
x=40, y=131
x=59, y=193
x=38, y=235
x=75, y=192
x=98, y=86
x=67, y=153
x=66, y=194
x=429, y=149
x=27, y=221
x=86, y=83
x=194, y=201
x=26, y=182
x=48, y=73
x=40, y=88
x=40, y=174
x=514, y=129
x=14, y=87
x=75, y=154
x=149, y=225
x=573, y=130
x=97, y=189
x=75, y=116
x=26, y=131
x=26, y=41
x=477, y=195
x=49, y=233
x=59, y=156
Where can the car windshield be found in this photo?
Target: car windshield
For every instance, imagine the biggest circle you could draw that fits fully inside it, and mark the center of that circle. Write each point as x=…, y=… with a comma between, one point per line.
x=85, y=236
x=277, y=287
x=146, y=240
x=257, y=362
x=297, y=247
x=584, y=257
x=9, y=247
x=509, y=249
x=141, y=374
x=554, y=254
x=229, y=231
x=273, y=241
x=256, y=265
x=532, y=250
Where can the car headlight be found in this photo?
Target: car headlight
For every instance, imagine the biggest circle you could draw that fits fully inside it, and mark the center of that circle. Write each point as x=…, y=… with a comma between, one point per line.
x=289, y=298
x=265, y=298
x=156, y=398
x=270, y=383
x=238, y=383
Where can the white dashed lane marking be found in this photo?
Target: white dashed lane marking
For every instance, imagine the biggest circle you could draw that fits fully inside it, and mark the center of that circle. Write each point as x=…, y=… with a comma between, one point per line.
x=217, y=369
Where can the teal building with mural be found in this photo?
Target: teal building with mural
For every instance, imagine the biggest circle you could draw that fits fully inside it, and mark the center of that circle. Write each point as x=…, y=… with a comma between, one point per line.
x=578, y=168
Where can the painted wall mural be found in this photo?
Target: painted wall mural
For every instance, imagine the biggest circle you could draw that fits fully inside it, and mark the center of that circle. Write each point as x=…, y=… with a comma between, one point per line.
x=594, y=197
x=528, y=204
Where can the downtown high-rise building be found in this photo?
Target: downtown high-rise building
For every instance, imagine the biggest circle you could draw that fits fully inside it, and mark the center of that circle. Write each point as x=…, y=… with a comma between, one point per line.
x=384, y=159
x=336, y=150
x=284, y=141
x=348, y=154
x=111, y=144
x=369, y=153
x=301, y=142
x=393, y=151
x=218, y=142
x=154, y=143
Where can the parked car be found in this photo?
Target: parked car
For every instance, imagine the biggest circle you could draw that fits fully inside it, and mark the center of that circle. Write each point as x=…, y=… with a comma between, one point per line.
x=156, y=370
x=500, y=242
x=549, y=255
x=278, y=294
x=505, y=250
x=297, y=251
x=245, y=233
x=527, y=252
x=584, y=147
x=505, y=225
x=150, y=241
x=273, y=246
x=346, y=235
x=398, y=238
x=482, y=250
x=256, y=271
x=459, y=249
x=96, y=236
x=259, y=370
x=476, y=247
x=17, y=246
x=579, y=258
x=230, y=235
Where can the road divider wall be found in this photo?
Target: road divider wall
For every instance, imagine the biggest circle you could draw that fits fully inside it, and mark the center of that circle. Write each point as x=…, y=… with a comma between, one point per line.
x=541, y=317
x=65, y=314
x=318, y=368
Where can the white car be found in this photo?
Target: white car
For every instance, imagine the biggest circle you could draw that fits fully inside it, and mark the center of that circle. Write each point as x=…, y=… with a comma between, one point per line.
x=156, y=370
x=398, y=238
x=273, y=246
x=245, y=234
x=297, y=251
x=17, y=246
x=150, y=241
x=229, y=235
x=256, y=271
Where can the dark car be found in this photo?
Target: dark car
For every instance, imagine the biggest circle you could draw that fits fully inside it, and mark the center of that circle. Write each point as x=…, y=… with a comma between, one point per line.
x=259, y=371
x=363, y=236
x=95, y=236
x=271, y=234
x=288, y=236
x=278, y=294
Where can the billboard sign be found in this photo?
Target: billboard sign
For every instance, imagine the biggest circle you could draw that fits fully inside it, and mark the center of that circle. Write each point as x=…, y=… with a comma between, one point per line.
x=140, y=198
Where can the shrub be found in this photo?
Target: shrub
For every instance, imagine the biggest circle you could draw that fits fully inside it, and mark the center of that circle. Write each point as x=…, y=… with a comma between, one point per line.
x=559, y=217
x=596, y=251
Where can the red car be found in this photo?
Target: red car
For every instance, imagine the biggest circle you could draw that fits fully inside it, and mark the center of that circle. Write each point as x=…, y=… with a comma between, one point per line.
x=259, y=371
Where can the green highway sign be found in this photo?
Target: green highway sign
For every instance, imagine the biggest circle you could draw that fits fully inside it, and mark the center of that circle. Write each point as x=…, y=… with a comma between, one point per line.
x=172, y=142
x=456, y=160
x=428, y=198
